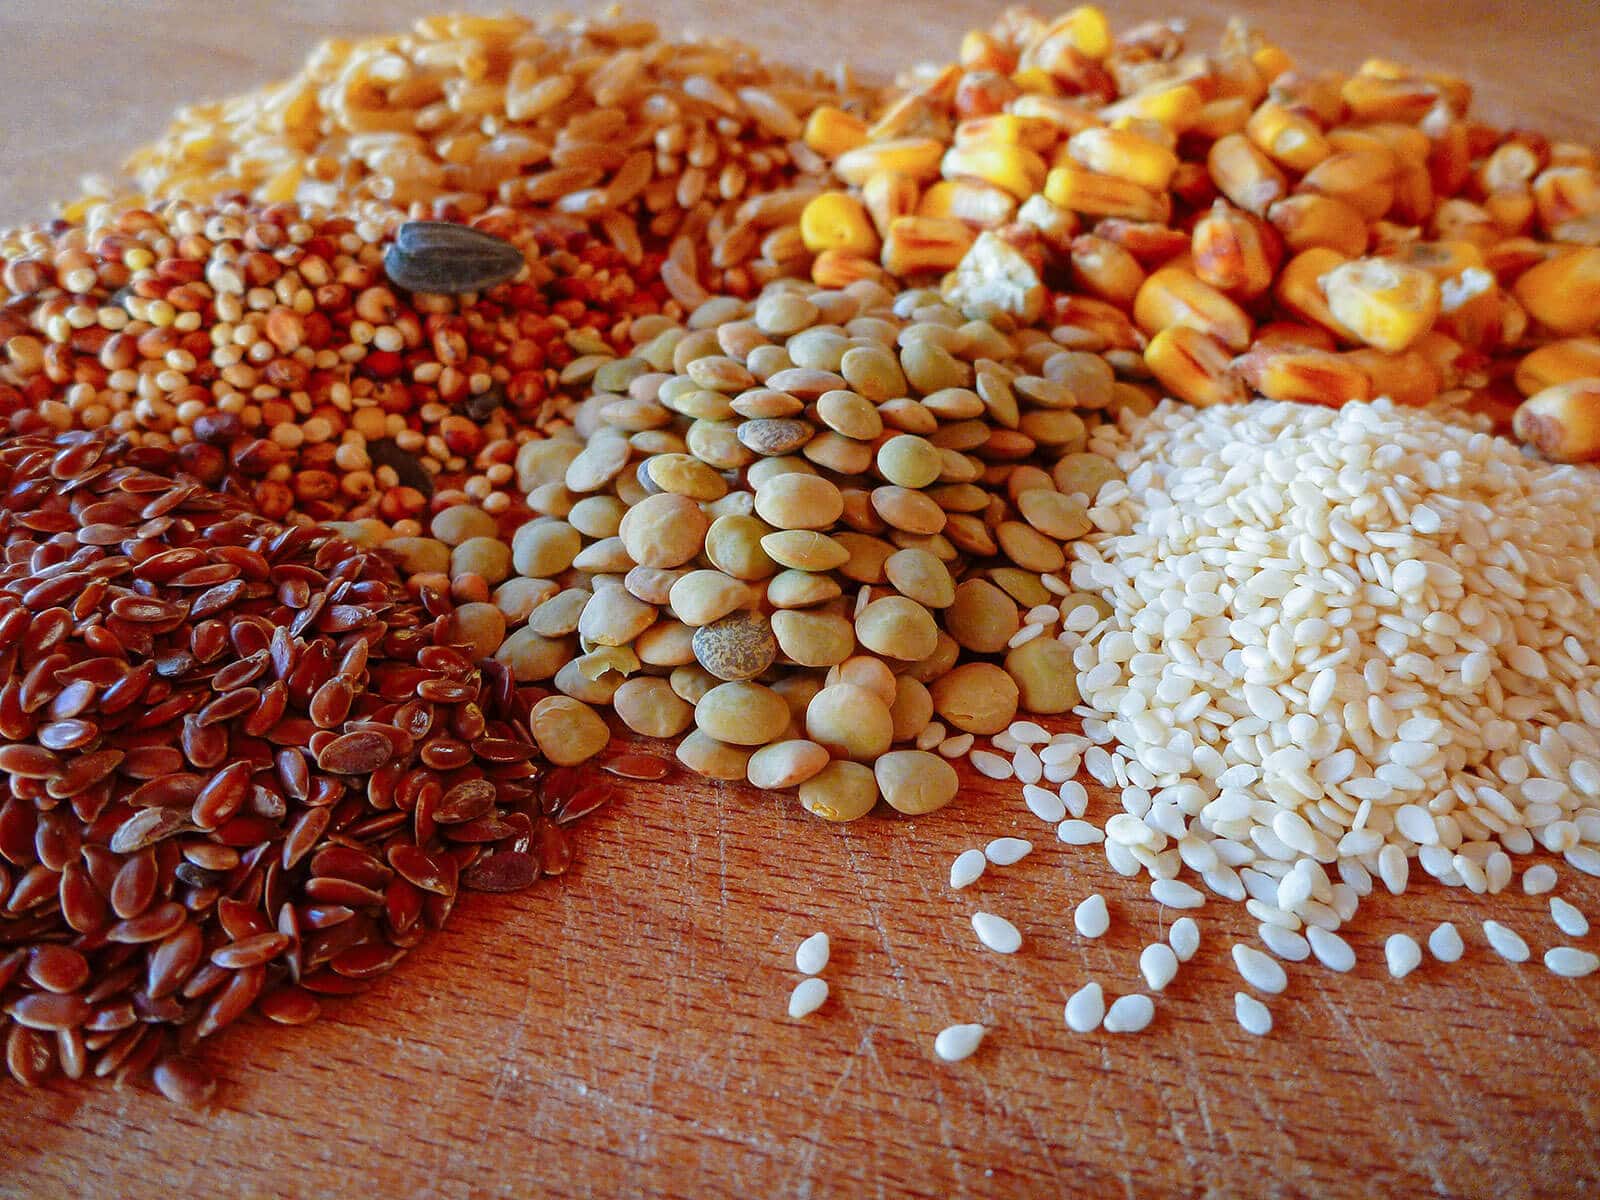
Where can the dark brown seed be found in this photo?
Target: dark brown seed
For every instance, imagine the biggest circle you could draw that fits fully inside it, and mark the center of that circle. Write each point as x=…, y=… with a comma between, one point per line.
x=367, y=962
x=348, y=862
x=223, y=796
x=465, y=801
x=483, y=829
x=241, y=918
x=49, y=1011
x=83, y=907
x=184, y=1081
x=172, y=962
x=148, y=927
x=30, y=762
x=289, y=1006
x=439, y=256
x=58, y=969
x=329, y=890
x=135, y=885
x=304, y=834
x=232, y=1001
x=507, y=871
x=148, y=827
x=358, y=753
x=30, y=1056
x=250, y=952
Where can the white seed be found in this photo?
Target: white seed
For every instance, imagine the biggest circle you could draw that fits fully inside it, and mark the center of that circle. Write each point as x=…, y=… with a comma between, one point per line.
x=1571, y=962
x=1086, y=1008
x=1091, y=918
x=807, y=997
x=1184, y=938
x=1260, y=972
x=1539, y=879
x=967, y=867
x=1158, y=964
x=1174, y=893
x=1253, y=1016
x=812, y=954
x=1129, y=1014
x=988, y=763
x=1332, y=951
x=1075, y=796
x=1402, y=954
x=996, y=933
x=1043, y=803
x=1505, y=942
x=958, y=1042
x=1445, y=943
x=1005, y=851
x=1568, y=918
x=1285, y=943
x=1079, y=833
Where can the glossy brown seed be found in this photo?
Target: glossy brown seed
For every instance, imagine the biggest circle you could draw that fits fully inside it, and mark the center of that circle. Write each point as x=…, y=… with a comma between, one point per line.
x=555, y=850
x=231, y=1001
x=349, y=862
x=184, y=1081
x=638, y=766
x=58, y=968
x=151, y=926
x=30, y=1056
x=72, y=1053
x=303, y=835
x=421, y=869
x=368, y=961
x=173, y=961
x=135, y=885
x=358, y=753
x=465, y=801
x=83, y=907
x=289, y=1006
x=583, y=802
x=49, y=1011
x=251, y=951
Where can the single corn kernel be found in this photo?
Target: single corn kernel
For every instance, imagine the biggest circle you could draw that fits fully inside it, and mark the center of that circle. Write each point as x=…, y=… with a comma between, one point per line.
x=1300, y=291
x=1512, y=212
x=838, y=221
x=1558, y=362
x=1472, y=309
x=1234, y=251
x=1152, y=244
x=1106, y=325
x=1563, y=294
x=831, y=131
x=995, y=278
x=1293, y=335
x=889, y=196
x=1086, y=28
x=1287, y=137
x=1510, y=168
x=1407, y=143
x=1055, y=225
x=982, y=51
x=1064, y=114
x=1318, y=96
x=1413, y=196
x=970, y=200
x=1193, y=367
x=1220, y=117
x=1104, y=195
x=837, y=269
x=909, y=115
x=1566, y=194
x=1307, y=220
x=1304, y=375
x=1387, y=304
x=1124, y=154
x=916, y=158
x=1448, y=358
x=1245, y=175
x=1363, y=179
x=1271, y=61
x=1015, y=169
x=1510, y=258
x=1106, y=270
x=1563, y=422
x=1175, y=297
x=1007, y=129
x=1450, y=160
x=1374, y=98
x=1407, y=378
x=1176, y=106
x=1458, y=220
x=919, y=244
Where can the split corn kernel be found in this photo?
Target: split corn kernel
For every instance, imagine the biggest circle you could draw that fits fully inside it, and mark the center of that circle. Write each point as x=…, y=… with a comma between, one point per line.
x=970, y=200
x=1299, y=289
x=831, y=131
x=838, y=221
x=1563, y=422
x=889, y=196
x=917, y=158
x=920, y=244
x=1234, y=252
x=1104, y=195
x=1303, y=374
x=1172, y=296
x=1563, y=294
x=1106, y=323
x=1287, y=137
x=1193, y=366
x=1124, y=154
x=1014, y=169
x=1558, y=362
x=1245, y=175
x=1387, y=304
x=1407, y=378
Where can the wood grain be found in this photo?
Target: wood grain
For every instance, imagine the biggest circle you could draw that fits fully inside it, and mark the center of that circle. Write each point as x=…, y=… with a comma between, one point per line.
x=621, y=1032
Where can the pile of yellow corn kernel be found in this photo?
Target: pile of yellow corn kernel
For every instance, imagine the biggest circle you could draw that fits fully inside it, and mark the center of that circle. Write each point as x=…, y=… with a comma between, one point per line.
x=1223, y=224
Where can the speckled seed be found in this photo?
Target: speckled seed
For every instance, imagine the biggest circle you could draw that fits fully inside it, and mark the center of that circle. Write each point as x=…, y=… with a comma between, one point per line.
x=982, y=618
x=920, y=575
x=786, y=764
x=648, y=705
x=775, y=435
x=614, y=617
x=1047, y=681
x=915, y=782
x=796, y=501
x=897, y=627
x=805, y=550
x=481, y=627
x=850, y=722
x=976, y=698
x=841, y=791
x=738, y=646
x=813, y=639
x=664, y=530
x=909, y=461
x=567, y=730
x=742, y=714
x=544, y=548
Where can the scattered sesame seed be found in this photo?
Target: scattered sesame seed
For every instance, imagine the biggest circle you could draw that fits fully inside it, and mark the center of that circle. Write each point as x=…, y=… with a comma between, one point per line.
x=1285, y=943
x=1184, y=938
x=958, y=1042
x=1505, y=942
x=1174, y=893
x=812, y=954
x=807, y=997
x=1043, y=803
x=986, y=762
x=1445, y=943
x=1260, y=972
x=1332, y=951
x=1079, y=833
x=1129, y=1014
x=1538, y=879
x=1402, y=954
x=967, y=867
x=1253, y=1016
x=1158, y=964
x=1086, y=1008
x=1075, y=796
x=1567, y=917
x=1091, y=918
x=1005, y=851
x=996, y=933
x=1570, y=962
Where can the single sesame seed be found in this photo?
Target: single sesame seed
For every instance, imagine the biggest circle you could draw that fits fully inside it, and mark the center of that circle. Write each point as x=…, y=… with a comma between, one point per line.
x=1402, y=954
x=1285, y=943
x=1079, y=833
x=1445, y=943
x=967, y=867
x=1568, y=918
x=1570, y=962
x=996, y=933
x=1091, y=918
x=812, y=954
x=1043, y=803
x=807, y=997
x=1538, y=879
x=1260, y=972
x=1005, y=851
x=958, y=1042
x=1184, y=938
x=1086, y=1008
x=1174, y=893
x=987, y=763
x=1075, y=796
x=1253, y=1016
x=1505, y=942
x=1158, y=964
x=1332, y=951
x=1129, y=1014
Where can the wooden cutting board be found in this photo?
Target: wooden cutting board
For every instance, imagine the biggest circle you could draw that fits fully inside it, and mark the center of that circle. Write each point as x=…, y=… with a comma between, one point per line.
x=622, y=1031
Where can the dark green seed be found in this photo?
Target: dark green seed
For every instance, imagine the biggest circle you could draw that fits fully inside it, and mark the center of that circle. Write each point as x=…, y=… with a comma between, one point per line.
x=441, y=256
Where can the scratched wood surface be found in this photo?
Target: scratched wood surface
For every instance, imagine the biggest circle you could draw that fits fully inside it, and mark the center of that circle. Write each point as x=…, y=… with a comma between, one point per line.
x=621, y=1032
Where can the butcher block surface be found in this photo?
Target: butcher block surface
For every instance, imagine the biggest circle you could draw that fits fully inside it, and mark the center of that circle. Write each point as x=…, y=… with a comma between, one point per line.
x=622, y=1031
